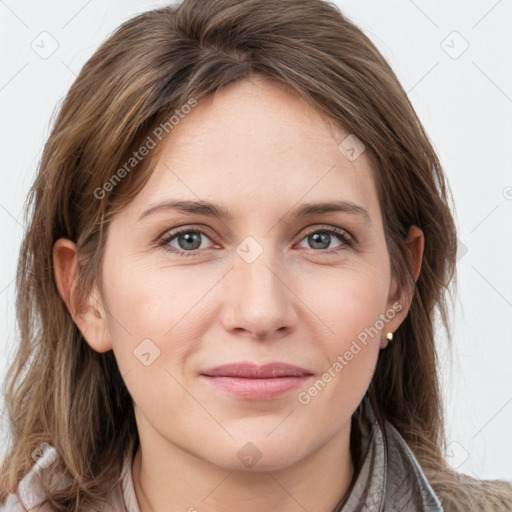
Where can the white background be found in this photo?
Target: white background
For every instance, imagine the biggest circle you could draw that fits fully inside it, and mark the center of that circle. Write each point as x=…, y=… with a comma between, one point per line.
x=465, y=104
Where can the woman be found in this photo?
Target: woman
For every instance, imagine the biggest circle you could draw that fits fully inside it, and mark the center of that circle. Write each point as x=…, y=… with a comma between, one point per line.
x=239, y=237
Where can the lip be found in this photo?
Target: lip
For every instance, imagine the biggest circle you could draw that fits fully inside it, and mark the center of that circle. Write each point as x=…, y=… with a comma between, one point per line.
x=252, y=382
x=253, y=371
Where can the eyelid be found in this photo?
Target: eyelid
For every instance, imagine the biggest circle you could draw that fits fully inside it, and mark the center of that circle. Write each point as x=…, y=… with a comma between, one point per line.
x=346, y=237
x=171, y=233
x=330, y=228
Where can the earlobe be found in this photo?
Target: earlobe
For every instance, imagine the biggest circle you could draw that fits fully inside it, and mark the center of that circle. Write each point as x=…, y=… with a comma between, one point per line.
x=90, y=318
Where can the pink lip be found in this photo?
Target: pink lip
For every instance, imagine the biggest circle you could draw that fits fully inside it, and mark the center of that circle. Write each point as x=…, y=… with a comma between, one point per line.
x=254, y=382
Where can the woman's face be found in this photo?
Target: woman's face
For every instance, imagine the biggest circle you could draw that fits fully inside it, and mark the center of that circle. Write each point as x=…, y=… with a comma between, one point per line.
x=261, y=283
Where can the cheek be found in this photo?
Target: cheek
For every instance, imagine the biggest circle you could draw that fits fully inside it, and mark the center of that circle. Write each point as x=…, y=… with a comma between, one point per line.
x=332, y=398
x=351, y=307
x=162, y=305
x=145, y=298
x=349, y=302
x=150, y=333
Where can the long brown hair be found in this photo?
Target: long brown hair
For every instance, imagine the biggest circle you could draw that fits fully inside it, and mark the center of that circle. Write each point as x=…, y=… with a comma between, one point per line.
x=62, y=392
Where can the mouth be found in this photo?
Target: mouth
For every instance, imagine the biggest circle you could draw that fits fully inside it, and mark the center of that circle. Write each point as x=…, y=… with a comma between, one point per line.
x=252, y=382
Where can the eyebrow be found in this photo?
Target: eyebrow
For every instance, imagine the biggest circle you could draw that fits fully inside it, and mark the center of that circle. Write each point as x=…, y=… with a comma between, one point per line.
x=209, y=209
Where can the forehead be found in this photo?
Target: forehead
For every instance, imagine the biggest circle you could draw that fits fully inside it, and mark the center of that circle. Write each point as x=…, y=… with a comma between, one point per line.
x=257, y=144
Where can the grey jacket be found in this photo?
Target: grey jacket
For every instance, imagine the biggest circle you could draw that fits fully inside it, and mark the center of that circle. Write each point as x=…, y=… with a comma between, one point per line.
x=389, y=480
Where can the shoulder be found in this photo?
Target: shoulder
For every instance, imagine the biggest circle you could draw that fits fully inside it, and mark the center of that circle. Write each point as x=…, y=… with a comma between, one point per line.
x=30, y=493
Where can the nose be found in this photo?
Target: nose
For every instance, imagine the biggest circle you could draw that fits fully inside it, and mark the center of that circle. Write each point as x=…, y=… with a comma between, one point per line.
x=261, y=303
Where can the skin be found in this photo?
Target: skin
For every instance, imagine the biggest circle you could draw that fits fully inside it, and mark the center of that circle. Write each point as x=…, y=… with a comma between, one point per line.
x=258, y=150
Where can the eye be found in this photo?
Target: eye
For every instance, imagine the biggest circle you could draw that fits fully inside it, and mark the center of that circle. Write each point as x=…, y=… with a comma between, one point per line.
x=187, y=240
x=321, y=239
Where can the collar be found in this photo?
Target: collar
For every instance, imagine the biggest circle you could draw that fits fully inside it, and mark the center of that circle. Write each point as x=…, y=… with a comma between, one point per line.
x=390, y=477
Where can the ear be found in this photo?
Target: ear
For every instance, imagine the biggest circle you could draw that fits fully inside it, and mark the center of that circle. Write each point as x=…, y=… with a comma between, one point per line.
x=90, y=318
x=414, y=243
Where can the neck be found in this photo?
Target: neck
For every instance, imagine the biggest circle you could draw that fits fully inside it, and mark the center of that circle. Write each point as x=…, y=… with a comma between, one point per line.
x=168, y=478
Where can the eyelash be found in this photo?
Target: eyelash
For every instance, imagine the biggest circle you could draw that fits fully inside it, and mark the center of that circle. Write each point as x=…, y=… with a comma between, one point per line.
x=346, y=240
